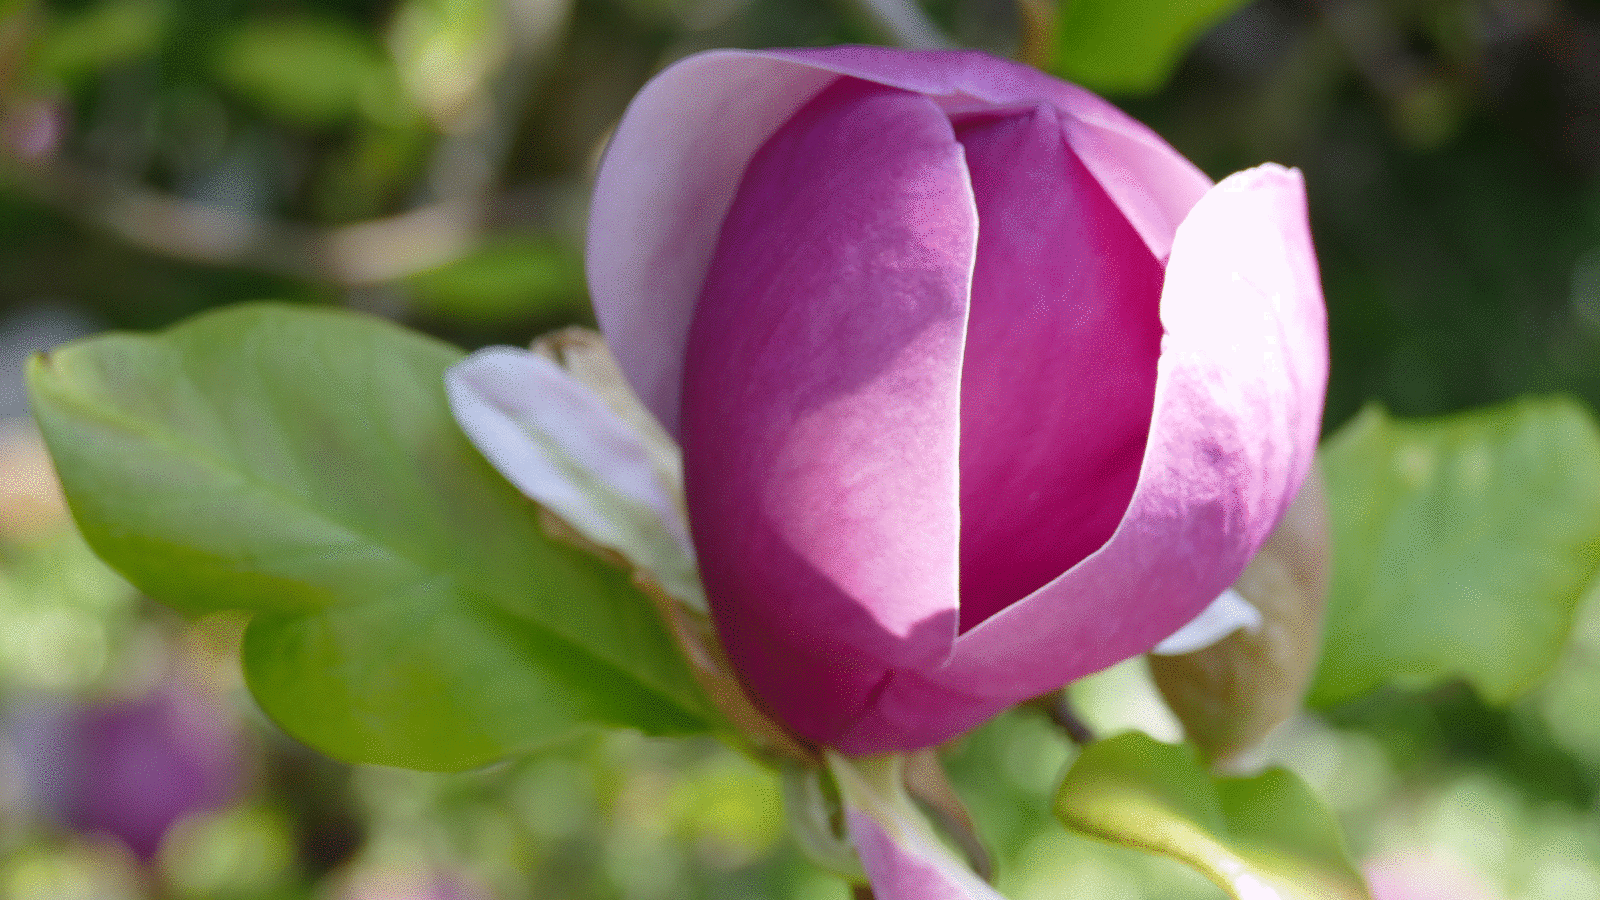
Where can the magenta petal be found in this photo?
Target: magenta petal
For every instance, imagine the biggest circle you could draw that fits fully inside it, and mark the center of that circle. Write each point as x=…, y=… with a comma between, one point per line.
x=1238, y=407
x=913, y=710
x=677, y=156
x=820, y=418
x=1153, y=185
x=1237, y=412
x=1060, y=367
x=783, y=281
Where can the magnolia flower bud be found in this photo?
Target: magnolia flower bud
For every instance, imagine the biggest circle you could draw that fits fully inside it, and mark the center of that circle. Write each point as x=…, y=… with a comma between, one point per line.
x=981, y=387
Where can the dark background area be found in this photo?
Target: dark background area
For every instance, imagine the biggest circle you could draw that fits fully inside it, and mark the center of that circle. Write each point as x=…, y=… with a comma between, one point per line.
x=164, y=158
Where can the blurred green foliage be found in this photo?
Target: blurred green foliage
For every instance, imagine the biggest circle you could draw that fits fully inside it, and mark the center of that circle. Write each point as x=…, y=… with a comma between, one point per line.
x=1126, y=46
x=1462, y=546
x=428, y=160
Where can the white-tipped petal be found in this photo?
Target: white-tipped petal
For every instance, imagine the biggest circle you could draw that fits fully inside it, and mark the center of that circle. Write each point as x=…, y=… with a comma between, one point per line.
x=563, y=446
x=1226, y=614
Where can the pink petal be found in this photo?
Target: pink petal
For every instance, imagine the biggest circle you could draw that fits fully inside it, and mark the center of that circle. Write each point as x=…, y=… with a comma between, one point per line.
x=902, y=856
x=820, y=418
x=1060, y=368
x=913, y=709
x=663, y=189
x=1423, y=875
x=675, y=162
x=1238, y=407
x=1153, y=185
x=1237, y=412
x=908, y=869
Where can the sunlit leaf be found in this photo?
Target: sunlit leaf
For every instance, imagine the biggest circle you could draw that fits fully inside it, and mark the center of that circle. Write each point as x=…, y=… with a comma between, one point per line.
x=1128, y=46
x=1461, y=546
x=302, y=465
x=1261, y=838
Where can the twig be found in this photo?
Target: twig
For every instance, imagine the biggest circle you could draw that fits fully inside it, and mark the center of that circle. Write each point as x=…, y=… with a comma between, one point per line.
x=1037, y=44
x=359, y=255
x=1058, y=706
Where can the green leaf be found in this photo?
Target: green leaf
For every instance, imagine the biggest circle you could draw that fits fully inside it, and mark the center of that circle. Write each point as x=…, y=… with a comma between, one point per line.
x=1461, y=547
x=1245, y=834
x=312, y=71
x=77, y=46
x=302, y=465
x=1128, y=46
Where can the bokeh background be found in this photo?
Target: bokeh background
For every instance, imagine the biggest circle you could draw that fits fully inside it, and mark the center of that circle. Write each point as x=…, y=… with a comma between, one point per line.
x=429, y=161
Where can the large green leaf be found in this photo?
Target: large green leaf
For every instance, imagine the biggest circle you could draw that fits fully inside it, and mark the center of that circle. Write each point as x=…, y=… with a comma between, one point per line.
x=1128, y=46
x=1260, y=837
x=1461, y=546
x=302, y=465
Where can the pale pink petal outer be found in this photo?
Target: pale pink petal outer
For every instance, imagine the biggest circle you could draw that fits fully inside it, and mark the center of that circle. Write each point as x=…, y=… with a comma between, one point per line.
x=664, y=186
x=821, y=409
x=563, y=446
x=911, y=870
x=1238, y=409
x=902, y=856
x=1425, y=875
x=672, y=168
